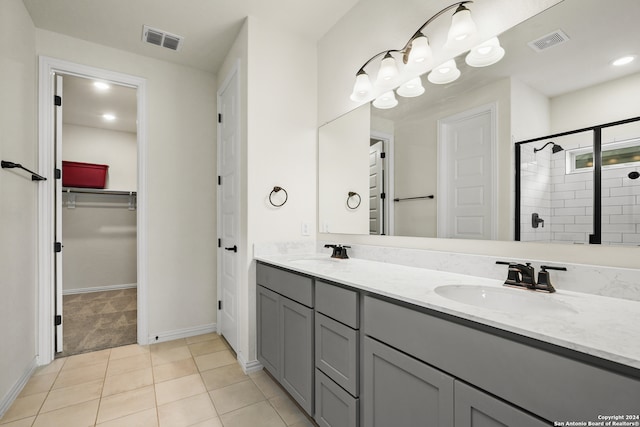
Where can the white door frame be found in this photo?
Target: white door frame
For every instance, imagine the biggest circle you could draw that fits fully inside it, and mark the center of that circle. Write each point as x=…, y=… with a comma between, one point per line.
x=235, y=71
x=46, y=226
x=443, y=157
x=389, y=147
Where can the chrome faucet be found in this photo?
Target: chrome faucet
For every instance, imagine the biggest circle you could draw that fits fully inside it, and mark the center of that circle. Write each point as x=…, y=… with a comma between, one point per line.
x=523, y=276
x=339, y=251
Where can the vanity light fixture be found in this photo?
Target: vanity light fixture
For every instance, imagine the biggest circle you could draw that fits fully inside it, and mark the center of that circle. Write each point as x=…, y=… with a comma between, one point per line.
x=462, y=26
x=444, y=73
x=412, y=88
x=417, y=55
x=623, y=60
x=485, y=54
x=385, y=101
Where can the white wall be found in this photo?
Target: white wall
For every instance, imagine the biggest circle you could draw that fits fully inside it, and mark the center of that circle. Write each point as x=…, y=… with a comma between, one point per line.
x=359, y=35
x=18, y=143
x=181, y=180
x=344, y=153
x=103, y=146
x=278, y=147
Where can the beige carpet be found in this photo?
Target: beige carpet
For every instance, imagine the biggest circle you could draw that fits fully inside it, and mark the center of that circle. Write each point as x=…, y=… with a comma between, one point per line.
x=99, y=320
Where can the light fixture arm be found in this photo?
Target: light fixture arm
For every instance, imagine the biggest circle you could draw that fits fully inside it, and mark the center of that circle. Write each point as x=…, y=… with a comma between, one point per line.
x=405, y=50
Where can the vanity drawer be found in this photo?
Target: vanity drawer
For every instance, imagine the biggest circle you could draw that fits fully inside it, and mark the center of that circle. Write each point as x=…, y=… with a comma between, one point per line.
x=529, y=377
x=334, y=406
x=337, y=352
x=291, y=285
x=338, y=303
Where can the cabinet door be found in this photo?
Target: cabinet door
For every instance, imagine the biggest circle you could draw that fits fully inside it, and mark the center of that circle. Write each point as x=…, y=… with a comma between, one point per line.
x=474, y=408
x=296, y=367
x=337, y=352
x=268, y=324
x=399, y=390
x=334, y=406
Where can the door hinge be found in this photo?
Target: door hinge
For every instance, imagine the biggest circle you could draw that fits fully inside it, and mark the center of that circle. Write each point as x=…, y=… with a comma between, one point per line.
x=58, y=320
x=219, y=118
x=219, y=304
x=383, y=155
x=57, y=247
x=383, y=196
x=219, y=180
x=58, y=173
x=219, y=243
x=57, y=100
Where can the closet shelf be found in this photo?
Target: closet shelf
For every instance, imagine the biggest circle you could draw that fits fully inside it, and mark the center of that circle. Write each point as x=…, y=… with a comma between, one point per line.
x=72, y=203
x=78, y=190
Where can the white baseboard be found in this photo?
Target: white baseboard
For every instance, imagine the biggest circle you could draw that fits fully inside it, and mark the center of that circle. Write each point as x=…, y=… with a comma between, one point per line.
x=182, y=333
x=250, y=366
x=13, y=393
x=99, y=289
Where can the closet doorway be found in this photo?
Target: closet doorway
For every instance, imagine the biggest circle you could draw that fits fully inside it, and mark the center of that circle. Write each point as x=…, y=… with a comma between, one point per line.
x=96, y=215
x=80, y=251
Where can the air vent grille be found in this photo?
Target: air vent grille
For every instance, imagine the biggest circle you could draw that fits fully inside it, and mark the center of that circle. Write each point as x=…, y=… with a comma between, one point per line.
x=549, y=40
x=161, y=38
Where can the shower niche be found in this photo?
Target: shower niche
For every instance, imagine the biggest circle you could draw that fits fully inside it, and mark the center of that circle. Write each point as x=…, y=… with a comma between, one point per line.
x=580, y=186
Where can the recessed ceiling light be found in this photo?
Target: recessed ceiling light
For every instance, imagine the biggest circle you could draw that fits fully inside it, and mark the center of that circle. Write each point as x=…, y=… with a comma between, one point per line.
x=101, y=85
x=109, y=117
x=623, y=60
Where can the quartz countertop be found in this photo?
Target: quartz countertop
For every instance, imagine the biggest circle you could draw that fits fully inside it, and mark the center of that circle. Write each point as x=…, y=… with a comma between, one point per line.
x=604, y=327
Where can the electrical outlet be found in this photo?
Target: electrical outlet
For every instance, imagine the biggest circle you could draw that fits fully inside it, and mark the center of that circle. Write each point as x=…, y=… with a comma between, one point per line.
x=304, y=230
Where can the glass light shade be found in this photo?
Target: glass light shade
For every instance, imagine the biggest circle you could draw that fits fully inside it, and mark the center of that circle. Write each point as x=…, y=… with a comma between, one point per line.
x=362, y=88
x=388, y=70
x=385, y=101
x=420, y=50
x=462, y=26
x=412, y=88
x=485, y=54
x=445, y=73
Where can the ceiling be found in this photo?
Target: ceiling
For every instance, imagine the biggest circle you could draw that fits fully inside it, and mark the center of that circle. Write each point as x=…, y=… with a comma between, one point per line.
x=209, y=27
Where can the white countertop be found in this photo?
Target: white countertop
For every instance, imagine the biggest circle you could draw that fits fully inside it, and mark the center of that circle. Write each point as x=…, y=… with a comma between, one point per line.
x=608, y=328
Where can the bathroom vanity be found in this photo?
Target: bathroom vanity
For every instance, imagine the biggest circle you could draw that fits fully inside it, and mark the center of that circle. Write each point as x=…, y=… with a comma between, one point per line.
x=359, y=342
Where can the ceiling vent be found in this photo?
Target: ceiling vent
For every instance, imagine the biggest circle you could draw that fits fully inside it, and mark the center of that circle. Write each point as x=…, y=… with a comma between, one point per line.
x=545, y=42
x=161, y=38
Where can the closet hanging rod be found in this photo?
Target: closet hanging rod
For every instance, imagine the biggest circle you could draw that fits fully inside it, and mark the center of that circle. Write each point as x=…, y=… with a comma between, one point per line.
x=97, y=191
x=413, y=198
x=34, y=176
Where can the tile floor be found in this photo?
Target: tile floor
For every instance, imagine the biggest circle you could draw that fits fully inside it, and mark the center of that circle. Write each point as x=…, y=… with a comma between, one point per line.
x=187, y=382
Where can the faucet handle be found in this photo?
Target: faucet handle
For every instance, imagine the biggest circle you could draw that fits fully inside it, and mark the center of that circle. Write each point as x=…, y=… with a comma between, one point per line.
x=544, y=280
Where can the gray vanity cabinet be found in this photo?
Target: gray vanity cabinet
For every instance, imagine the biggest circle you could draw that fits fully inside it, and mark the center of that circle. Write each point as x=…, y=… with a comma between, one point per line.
x=296, y=329
x=402, y=391
x=285, y=323
x=337, y=356
x=473, y=408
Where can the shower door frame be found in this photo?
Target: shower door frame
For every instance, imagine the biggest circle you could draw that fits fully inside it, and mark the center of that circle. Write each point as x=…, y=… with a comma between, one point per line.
x=596, y=237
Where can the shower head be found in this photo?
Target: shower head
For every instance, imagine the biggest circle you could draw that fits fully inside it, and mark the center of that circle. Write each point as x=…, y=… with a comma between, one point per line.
x=634, y=175
x=556, y=148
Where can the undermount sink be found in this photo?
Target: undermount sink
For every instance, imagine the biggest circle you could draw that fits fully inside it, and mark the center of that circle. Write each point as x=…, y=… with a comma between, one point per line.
x=505, y=299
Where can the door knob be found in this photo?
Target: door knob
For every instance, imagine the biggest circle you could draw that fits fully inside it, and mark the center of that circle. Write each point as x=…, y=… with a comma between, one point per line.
x=234, y=249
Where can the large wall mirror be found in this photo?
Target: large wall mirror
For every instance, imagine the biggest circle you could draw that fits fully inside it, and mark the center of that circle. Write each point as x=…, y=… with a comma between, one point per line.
x=442, y=164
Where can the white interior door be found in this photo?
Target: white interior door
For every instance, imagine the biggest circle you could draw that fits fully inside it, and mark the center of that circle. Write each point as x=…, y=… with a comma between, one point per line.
x=58, y=216
x=376, y=188
x=228, y=208
x=466, y=175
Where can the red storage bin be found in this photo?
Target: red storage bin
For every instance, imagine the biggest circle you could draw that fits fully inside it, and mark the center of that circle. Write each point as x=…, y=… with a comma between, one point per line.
x=87, y=175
